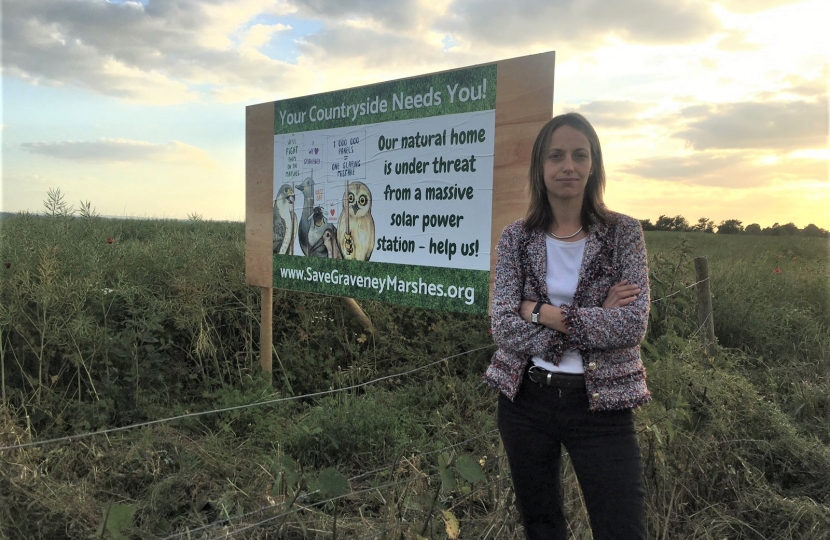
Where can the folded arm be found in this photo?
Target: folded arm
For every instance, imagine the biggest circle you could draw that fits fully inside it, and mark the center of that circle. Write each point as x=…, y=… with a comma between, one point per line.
x=512, y=329
x=623, y=325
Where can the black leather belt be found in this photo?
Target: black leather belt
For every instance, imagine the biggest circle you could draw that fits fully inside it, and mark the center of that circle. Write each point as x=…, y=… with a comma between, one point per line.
x=559, y=380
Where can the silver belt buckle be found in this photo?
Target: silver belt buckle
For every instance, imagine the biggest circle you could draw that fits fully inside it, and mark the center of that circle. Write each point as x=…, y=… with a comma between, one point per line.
x=533, y=370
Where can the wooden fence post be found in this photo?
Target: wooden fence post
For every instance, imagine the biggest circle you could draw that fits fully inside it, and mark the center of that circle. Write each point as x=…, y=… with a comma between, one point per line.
x=265, y=334
x=705, y=320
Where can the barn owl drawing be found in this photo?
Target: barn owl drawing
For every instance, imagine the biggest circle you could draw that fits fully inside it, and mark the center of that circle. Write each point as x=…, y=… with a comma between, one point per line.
x=356, y=227
x=307, y=189
x=285, y=221
x=322, y=236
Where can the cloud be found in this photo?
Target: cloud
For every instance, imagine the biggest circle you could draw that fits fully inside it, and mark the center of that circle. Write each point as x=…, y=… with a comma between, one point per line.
x=161, y=52
x=189, y=50
x=735, y=41
x=174, y=52
x=586, y=22
x=741, y=169
x=260, y=34
x=769, y=125
x=754, y=6
x=366, y=48
x=806, y=87
x=121, y=150
x=613, y=114
x=397, y=15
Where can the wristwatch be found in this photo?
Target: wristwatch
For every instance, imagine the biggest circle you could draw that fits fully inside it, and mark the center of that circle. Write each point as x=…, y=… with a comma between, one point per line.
x=534, y=316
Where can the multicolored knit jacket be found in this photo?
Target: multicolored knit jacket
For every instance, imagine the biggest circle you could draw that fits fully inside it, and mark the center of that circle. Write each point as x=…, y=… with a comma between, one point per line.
x=608, y=339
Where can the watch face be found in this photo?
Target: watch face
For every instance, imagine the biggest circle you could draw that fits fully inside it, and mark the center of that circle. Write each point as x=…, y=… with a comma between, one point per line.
x=534, y=317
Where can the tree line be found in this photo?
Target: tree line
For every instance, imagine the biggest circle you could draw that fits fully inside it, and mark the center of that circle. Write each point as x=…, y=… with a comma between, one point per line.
x=730, y=226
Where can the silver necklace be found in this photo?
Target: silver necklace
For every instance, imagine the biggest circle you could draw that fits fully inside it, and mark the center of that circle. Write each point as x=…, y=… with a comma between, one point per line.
x=564, y=237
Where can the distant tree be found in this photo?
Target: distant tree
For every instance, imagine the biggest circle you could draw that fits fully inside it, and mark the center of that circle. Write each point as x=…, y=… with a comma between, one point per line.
x=704, y=225
x=753, y=228
x=813, y=230
x=647, y=224
x=772, y=231
x=789, y=229
x=676, y=223
x=730, y=226
x=663, y=223
x=679, y=223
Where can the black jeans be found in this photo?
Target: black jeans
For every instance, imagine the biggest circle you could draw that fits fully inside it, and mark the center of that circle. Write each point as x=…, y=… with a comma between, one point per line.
x=603, y=449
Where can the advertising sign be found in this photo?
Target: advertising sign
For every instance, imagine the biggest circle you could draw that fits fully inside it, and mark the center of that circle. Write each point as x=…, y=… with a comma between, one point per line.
x=385, y=192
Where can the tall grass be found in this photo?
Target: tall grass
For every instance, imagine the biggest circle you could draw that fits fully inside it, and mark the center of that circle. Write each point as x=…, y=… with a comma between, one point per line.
x=771, y=303
x=158, y=322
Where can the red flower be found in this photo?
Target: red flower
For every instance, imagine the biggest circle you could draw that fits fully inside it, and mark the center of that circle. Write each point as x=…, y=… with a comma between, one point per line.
x=777, y=270
x=110, y=240
x=8, y=265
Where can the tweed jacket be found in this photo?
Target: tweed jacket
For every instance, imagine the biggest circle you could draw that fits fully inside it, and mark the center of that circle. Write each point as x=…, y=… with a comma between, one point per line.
x=607, y=339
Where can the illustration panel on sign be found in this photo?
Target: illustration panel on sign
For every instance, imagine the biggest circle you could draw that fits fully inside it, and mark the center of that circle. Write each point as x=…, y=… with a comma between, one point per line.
x=385, y=191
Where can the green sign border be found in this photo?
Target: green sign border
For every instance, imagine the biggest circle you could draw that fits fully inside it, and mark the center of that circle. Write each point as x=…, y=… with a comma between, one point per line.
x=470, y=78
x=443, y=277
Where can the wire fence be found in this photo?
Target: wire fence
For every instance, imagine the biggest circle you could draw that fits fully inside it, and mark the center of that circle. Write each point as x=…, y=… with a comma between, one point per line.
x=297, y=504
x=72, y=438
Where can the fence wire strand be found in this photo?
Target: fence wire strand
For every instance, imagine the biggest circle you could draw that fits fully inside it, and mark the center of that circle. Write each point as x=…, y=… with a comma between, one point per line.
x=350, y=480
x=680, y=290
x=71, y=438
x=269, y=519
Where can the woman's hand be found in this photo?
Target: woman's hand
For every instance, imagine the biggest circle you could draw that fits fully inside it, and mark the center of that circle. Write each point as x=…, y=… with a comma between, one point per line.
x=549, y=315
x=621, y=295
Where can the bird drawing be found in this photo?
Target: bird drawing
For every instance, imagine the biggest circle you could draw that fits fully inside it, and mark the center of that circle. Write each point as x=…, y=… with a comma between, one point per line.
x=307, y=189
x=356, y=227
x=285, y=221
x=330, y=241
x=318, y=227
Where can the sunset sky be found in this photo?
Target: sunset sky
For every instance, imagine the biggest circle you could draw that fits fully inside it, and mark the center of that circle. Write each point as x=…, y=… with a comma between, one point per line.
x=705, y=109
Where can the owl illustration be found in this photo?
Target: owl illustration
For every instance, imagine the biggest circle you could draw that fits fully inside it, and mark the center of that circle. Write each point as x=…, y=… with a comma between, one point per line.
x=307, y=189
x=322, y=236
x=356, y=228
x=285, y=221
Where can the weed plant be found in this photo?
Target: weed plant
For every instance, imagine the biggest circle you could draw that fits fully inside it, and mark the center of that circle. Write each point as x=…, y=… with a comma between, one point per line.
x=105, y=323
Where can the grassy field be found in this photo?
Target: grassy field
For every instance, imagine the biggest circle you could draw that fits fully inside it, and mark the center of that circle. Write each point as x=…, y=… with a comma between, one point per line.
x=109, y=323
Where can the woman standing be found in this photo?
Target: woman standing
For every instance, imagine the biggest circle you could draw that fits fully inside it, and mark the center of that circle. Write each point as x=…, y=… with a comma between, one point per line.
x=570, y=308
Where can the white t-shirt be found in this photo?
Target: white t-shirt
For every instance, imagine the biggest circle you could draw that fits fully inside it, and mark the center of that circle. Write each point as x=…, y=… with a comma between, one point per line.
x=564, y=261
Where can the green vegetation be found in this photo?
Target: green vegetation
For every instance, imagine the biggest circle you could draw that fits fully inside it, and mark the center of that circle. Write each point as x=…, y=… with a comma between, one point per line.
x=106, y=323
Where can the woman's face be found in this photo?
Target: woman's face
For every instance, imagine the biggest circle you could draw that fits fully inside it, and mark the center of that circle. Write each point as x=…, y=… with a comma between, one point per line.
x=567, y=164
